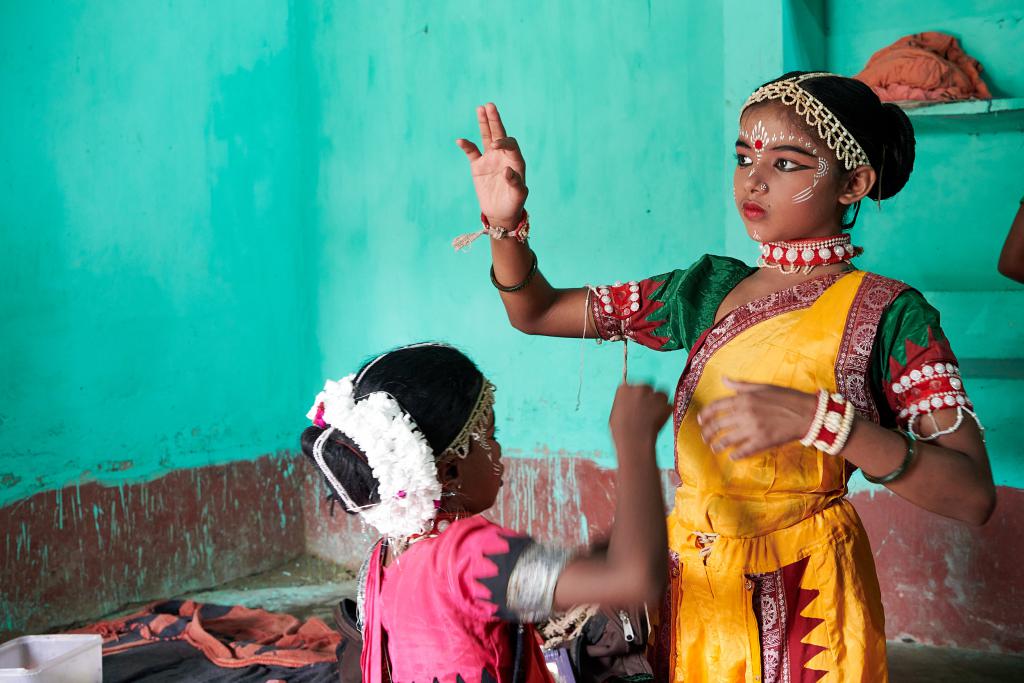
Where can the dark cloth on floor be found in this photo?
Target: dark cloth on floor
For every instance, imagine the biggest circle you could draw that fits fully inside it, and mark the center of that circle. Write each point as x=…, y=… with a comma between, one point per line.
x=179, y=640
x=175, y=661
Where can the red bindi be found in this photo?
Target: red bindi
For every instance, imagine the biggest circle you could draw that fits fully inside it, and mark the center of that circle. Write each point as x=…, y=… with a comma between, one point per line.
x=758, y=144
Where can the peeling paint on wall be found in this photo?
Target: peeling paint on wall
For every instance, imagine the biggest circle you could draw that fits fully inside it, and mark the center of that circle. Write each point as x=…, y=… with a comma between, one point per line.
x=943, y=583
x=81, y=551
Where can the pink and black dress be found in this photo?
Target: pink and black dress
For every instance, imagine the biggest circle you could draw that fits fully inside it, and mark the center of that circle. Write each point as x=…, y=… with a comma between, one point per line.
x=457, y=607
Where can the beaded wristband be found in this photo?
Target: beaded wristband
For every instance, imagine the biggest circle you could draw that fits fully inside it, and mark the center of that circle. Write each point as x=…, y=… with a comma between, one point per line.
x=902, y=469
x=832, y=423
x=849, y=415
x=522, y=285
x=520, y=233
x=818, y=421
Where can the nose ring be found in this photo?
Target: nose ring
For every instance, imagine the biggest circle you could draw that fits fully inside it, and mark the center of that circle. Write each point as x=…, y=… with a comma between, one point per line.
x=763, y=187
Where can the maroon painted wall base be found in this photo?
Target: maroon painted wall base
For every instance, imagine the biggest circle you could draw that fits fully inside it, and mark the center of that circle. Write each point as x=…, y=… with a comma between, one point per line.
x=947, y=583
x=82, y=551
x=943, y=582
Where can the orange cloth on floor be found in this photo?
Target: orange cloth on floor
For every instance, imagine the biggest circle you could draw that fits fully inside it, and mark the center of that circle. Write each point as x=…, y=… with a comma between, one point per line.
x=924, y=66
x=231, y=636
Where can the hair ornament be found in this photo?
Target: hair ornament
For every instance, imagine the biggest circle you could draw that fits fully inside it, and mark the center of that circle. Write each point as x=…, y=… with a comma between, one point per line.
x=473, y=429
x=829, y=128
x=398, y=454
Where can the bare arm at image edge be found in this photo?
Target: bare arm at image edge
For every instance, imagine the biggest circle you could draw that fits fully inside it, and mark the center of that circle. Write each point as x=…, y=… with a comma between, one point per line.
x=1011, y=260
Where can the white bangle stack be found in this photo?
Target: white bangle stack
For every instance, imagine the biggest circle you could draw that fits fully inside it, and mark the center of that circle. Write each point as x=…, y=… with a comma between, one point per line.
x=817, y=422
x=832, y=423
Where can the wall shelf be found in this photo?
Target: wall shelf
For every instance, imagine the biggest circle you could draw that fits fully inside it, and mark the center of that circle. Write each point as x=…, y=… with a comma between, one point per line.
x=1008, y=106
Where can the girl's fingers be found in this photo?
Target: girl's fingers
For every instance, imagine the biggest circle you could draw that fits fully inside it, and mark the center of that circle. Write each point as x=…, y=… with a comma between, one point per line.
x=469, y=148
x=723, y=406
x=506, y=143
x=515, y=181
x=745, y=450
x=744, y=387
x=485, y=127
x=494, y=121
x=719, y=421
x=719, y=441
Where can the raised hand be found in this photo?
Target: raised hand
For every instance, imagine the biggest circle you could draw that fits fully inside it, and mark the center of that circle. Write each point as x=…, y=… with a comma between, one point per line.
x=499, y=173
x=638, y=414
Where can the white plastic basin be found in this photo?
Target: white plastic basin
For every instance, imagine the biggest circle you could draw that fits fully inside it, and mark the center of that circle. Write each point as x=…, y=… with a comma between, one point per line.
x=52, y=659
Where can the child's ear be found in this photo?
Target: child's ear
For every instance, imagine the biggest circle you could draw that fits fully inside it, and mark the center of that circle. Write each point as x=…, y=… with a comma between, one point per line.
x=857, y=185
x=449, y=475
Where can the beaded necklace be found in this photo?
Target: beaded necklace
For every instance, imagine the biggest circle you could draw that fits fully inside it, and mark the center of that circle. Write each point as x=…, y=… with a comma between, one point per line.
x=803, y=256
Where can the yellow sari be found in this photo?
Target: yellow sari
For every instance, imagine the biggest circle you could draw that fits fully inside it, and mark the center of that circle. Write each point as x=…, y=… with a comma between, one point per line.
x=772, y=578
x=779, y=514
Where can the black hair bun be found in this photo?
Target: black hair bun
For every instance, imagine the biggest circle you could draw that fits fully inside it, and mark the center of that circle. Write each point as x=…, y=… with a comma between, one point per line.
x=435, y=384
x=898, y=153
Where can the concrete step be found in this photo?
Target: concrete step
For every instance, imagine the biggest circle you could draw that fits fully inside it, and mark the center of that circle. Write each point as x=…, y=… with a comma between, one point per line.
x=914, y=663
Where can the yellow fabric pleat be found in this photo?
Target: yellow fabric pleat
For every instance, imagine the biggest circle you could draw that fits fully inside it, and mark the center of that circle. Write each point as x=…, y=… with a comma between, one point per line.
x=772, y=510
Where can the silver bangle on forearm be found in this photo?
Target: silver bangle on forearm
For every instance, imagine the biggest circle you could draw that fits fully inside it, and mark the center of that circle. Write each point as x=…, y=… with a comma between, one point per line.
x=908, y=458
x=521, y=285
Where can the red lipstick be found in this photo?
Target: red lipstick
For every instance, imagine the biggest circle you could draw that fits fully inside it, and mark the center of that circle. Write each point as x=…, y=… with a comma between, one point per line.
x=753, y=211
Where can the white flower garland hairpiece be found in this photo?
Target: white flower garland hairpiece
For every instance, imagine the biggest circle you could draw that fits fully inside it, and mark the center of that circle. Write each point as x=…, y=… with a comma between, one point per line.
x=399, y=456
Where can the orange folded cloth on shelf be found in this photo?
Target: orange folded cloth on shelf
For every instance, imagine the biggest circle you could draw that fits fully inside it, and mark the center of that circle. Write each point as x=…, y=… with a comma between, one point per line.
x=928, y=66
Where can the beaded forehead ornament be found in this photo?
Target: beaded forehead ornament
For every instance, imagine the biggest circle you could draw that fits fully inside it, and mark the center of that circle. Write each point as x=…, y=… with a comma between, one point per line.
x=831, y=131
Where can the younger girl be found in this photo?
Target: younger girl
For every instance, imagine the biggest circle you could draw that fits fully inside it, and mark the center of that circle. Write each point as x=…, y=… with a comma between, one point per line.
x=800, y=370
x=409, y=444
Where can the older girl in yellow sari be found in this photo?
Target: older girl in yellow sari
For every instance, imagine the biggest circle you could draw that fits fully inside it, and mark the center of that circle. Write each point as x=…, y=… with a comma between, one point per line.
x=800, y=370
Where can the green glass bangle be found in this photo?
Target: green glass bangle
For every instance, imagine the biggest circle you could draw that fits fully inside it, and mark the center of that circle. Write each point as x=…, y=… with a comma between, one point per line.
x=522, y=285
x=902, y=469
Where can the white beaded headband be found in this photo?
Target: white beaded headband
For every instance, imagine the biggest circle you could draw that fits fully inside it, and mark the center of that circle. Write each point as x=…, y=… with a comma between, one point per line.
x=831, y=131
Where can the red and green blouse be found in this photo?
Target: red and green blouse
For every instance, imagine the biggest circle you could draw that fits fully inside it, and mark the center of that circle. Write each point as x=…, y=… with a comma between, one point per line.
x=911, y=371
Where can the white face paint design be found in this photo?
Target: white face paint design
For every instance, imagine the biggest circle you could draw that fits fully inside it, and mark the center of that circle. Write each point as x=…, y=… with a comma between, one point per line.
x=760, y=137
x=808, y=192
x=485, y=445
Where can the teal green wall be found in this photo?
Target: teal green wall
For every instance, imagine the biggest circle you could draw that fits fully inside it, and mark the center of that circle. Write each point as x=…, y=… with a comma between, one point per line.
x=212, y=206
x=156, y=296
x=619, y=123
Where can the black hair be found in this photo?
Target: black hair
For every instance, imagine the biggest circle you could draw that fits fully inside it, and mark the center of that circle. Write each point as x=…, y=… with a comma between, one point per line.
x=436, y=385
x=882, y=129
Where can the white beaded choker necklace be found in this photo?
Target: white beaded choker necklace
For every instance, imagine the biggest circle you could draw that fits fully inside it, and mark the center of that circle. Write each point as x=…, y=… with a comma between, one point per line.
x=803, y=256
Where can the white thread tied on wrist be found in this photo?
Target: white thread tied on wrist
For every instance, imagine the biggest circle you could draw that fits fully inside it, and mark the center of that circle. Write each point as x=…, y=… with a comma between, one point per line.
x=399, y=456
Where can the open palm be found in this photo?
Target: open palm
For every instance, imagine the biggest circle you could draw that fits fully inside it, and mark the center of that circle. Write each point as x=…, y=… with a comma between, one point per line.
x=499, y=173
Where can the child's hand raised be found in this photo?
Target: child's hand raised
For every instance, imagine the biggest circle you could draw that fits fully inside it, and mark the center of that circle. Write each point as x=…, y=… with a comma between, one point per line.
x=633, y=569
x=499, y=173
x=638, y=414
